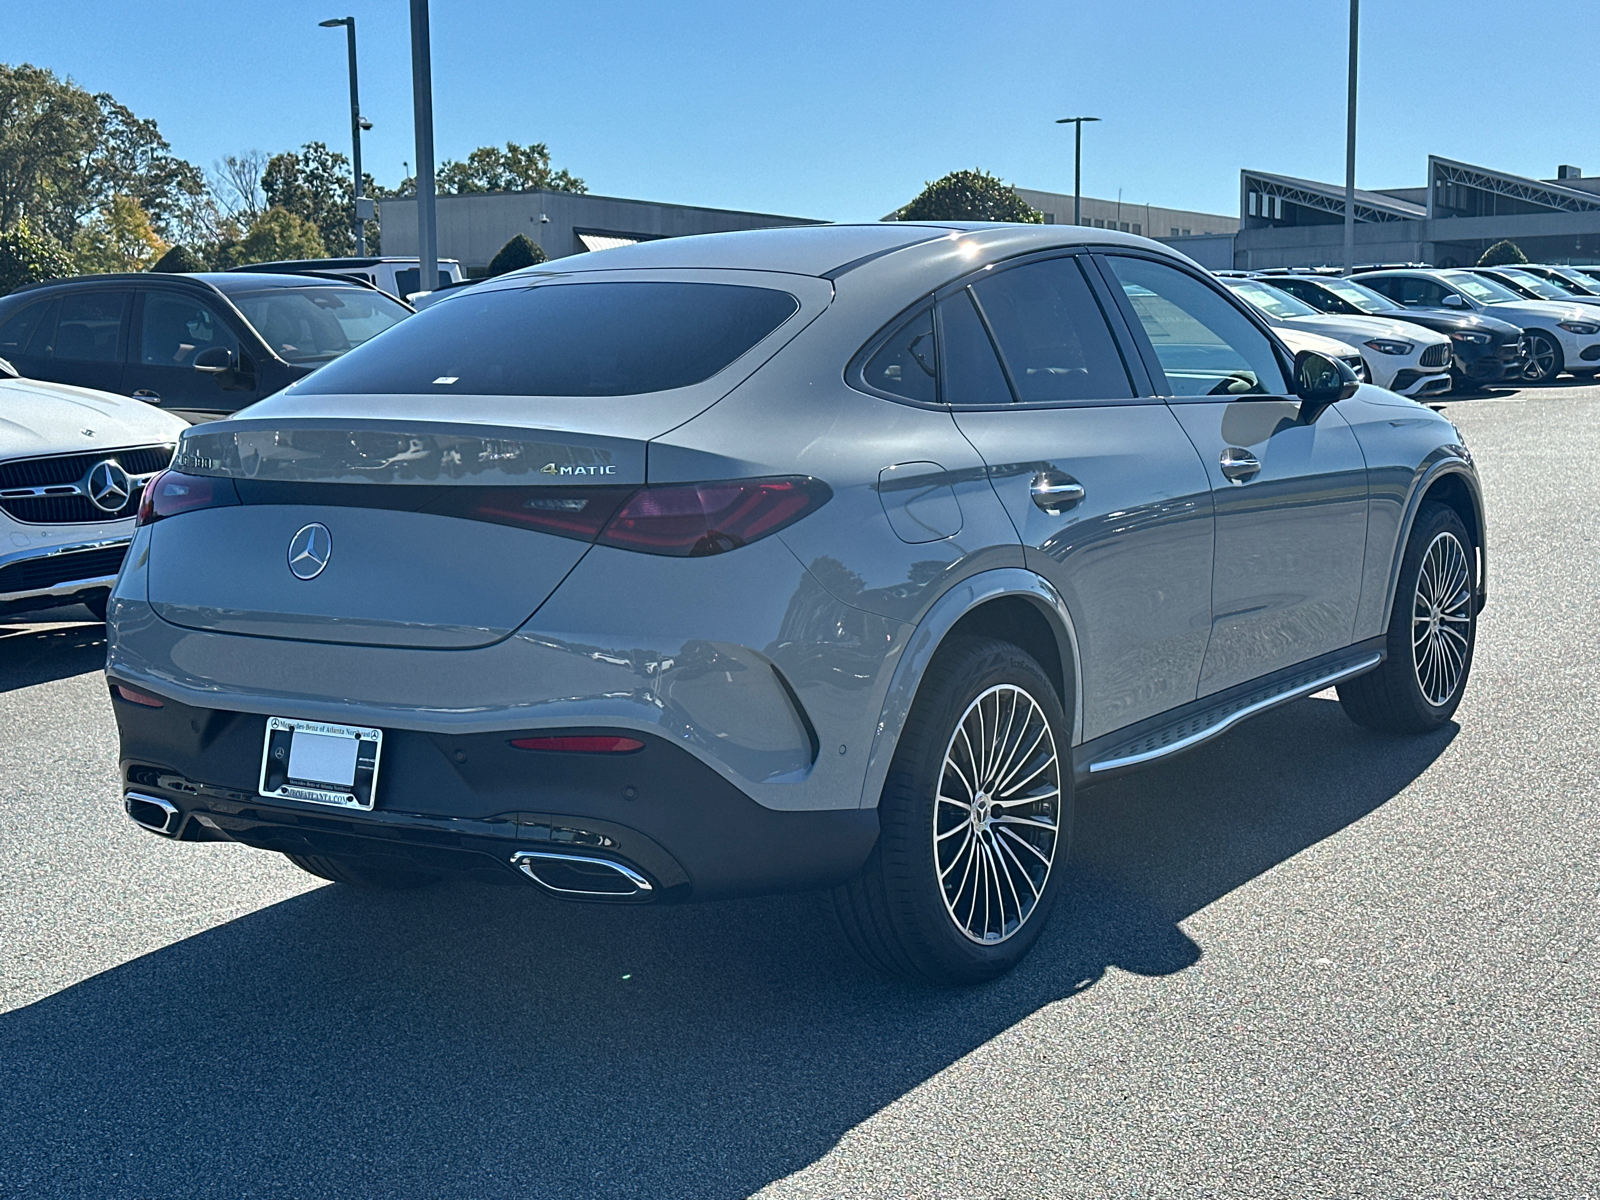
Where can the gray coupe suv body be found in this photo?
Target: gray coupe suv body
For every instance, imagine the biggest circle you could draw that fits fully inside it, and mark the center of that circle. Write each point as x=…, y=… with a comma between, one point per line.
x=828, y=557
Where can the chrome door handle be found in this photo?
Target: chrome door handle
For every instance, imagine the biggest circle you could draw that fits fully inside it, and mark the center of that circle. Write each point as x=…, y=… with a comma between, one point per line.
x=147, y=396
x=1055, y=492
x=1240, y=465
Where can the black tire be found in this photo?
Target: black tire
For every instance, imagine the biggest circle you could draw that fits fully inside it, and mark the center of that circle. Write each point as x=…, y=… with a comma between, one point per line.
x=1392, y=698
x=97, y=605
x=344, y=870
x=895, y=914
x=1545, y=360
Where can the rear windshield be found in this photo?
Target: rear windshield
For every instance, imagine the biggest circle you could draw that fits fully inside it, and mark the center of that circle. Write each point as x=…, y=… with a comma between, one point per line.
x=568, y=339
x=317, y=324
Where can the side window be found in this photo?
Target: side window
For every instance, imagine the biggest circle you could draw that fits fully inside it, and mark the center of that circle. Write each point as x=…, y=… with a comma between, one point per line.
x=90, y=326
x=1051, y=333
x=176, y=328
x=14, y=333
x=1205, y=345
x=1413, y=293
x=906, y=365
x=972, y=373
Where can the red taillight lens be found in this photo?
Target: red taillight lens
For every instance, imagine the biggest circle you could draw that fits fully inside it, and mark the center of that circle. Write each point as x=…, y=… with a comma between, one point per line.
x=606, y=744
x=695, y=519
x=173, y=492
x=575, y=513
x=133, y=697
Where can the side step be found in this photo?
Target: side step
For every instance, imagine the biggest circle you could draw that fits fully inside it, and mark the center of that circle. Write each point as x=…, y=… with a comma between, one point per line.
x=1201, y=721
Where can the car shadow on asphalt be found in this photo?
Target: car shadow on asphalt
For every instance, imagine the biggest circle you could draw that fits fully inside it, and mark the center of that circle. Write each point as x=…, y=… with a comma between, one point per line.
x=31, y=655
x=490, y=1042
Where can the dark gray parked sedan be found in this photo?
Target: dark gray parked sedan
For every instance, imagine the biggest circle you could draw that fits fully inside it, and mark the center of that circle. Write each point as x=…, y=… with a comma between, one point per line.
x=829, y=557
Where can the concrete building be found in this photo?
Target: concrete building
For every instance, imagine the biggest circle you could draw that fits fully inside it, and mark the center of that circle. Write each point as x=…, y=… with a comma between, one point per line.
x=1450, y=221
x=472, y=228
x=1150, y=220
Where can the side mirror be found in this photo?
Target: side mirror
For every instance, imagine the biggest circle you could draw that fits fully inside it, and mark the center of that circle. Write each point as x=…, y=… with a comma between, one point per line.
x=214, y=360
x=1454, y=301
x=1321, y=382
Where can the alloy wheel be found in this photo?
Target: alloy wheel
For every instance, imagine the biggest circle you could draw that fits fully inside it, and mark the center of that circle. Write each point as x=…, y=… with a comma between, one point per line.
x=996, y=821
x=1541, y=358
x=1441, y=619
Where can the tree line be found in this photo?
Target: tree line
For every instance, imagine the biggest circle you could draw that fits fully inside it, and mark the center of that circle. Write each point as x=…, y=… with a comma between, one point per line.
x=87, y=186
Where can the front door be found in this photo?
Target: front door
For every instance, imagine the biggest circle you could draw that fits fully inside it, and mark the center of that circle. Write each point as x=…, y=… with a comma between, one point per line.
x=1291, y=497
x=171, y=329
x=1110, y=500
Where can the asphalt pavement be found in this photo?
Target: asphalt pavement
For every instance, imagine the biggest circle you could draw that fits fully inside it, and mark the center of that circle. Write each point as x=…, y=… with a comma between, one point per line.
x=1305, y=960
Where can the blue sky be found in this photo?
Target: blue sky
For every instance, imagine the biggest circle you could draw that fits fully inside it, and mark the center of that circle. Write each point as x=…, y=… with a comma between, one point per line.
x=841, y=110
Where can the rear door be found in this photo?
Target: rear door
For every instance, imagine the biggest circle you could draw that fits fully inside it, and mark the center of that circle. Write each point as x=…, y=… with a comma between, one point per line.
x=1110, y=500
x=1290, y=497
x=80, y=339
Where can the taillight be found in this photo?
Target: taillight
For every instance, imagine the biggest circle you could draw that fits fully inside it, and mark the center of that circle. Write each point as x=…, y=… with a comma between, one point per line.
x=695, y=519
x=581, y=744
x=574, y=513
x=133, y=697
x=173, y=492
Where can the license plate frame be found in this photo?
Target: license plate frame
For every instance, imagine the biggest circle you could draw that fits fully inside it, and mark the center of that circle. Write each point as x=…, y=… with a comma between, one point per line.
x=326, y=755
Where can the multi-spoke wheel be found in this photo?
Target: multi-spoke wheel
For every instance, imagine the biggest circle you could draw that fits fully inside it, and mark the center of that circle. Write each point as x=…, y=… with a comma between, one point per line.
x=1544, y=361
x=975, y=821
x=994, y=826
x=1432, y=631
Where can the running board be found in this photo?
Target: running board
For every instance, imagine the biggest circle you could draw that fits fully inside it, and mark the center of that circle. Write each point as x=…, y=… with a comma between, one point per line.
x=1213, y=719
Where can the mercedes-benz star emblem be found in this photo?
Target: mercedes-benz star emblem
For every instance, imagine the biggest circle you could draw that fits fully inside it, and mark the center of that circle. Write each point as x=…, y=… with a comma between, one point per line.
x=310, y=550
x=109, y=487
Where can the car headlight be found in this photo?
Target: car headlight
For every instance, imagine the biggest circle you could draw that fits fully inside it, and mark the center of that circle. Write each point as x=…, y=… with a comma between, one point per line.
x=1386, y=346
x=1584, y=328
x=1476, y=339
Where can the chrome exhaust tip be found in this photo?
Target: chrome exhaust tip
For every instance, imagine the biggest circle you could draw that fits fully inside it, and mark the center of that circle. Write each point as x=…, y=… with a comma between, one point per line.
x=153, y=813
x=582, y=876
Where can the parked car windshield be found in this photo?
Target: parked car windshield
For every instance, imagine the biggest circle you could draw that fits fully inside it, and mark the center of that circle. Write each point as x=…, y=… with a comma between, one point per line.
x=318, y=324
x=1364, y=298
x=1485, y=291
x=1546, y=288
x=564, y=339
x=1269, y=299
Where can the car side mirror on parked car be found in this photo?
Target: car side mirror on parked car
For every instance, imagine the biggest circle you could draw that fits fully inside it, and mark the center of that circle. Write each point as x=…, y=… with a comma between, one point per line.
x=214, y=360
x=1454, y=301
x=1321, y=382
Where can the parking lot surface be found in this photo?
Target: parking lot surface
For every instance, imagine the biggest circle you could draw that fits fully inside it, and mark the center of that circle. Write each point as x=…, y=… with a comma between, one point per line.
x=1304, y=960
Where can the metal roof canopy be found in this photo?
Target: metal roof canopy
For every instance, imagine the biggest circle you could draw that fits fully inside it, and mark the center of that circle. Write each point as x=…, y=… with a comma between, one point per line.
x=1445, y=172
x=1371, y=207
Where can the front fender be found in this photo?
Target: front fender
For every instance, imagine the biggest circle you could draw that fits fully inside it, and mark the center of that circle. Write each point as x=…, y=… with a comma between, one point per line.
x=930, y=633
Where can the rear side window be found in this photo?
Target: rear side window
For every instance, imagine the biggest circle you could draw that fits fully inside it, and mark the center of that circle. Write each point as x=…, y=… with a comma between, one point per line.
x=907, y=365
x=90, y=326
x=15, y=332
x=972, y=373
x=1052, y=334
x=571, y=339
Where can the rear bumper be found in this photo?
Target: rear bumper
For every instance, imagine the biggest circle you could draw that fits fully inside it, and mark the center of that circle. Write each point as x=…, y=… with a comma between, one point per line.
x=467, y=805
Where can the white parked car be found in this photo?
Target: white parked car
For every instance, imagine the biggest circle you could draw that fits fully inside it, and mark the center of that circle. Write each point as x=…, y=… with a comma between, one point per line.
x=1303, y=339
x=73, y=465
x=1400, y=356
x=1559, y=336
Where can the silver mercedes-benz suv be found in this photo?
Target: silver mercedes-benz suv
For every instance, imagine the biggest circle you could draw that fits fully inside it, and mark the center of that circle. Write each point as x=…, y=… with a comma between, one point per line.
x=818, y=558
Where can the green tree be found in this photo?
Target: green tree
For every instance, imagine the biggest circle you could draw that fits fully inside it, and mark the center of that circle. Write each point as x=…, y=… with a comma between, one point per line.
x=117, y=238
x=969, y=196
x=180, y=260
x=48, y=130
x=131, y=158
x=491, y=169
x=519, y=252
x=1503, y=253
x=314, y=184
x=29, y=257
x=278, y=234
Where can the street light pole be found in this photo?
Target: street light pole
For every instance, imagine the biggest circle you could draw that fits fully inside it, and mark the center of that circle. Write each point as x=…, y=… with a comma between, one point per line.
x=1077, y=164
x=1350, y=149
x=358, y=218
x=422, y=104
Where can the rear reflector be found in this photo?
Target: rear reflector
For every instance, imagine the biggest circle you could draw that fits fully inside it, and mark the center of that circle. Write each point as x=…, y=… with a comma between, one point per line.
x=173, y=492
x=133, y=697
x=581, y=745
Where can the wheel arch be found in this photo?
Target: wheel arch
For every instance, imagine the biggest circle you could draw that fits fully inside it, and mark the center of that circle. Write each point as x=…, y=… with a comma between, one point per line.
x=1450, y=481
x=1012, y=604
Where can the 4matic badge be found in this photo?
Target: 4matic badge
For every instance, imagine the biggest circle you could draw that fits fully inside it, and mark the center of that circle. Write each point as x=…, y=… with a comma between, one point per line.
x=564, y=469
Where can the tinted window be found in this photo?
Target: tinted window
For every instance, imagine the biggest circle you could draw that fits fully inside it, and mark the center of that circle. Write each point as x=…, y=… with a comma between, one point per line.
x=906, y=365
x=409, y=281
x=1410, y=291
x=1051, y=333
x=1205, y=345
x=16, y=331
x=573, y=339
x=316, y=324
x=176, y=328
x=972, y=373
x=89, y=327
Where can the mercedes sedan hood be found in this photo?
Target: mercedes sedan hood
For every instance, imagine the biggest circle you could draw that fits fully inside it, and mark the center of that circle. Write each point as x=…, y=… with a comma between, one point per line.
x=53, y=418
x=1525, y=312
x=1358, y=330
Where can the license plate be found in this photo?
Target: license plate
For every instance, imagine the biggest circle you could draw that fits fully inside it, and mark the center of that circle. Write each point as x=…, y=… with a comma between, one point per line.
x=320, y=763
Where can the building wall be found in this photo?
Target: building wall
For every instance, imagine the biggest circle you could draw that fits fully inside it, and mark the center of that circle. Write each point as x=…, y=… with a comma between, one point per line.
x=1213, y=251
x=1151, y=220
x=1445, y=241
x=472, y=228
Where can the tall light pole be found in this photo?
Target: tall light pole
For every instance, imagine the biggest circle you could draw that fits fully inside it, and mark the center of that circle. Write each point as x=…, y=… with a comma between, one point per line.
x=422, y=104
x=1350, y=149
x=1077, y=164
x=363, y=207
